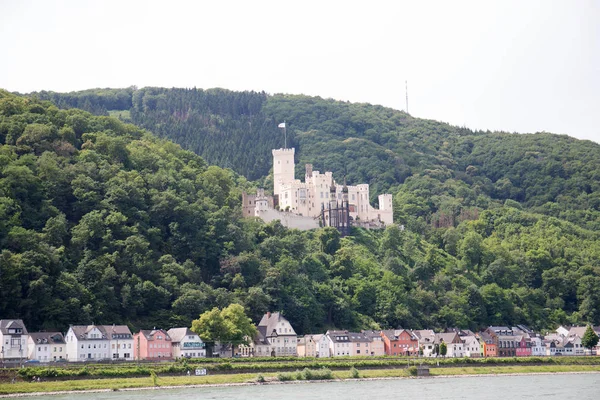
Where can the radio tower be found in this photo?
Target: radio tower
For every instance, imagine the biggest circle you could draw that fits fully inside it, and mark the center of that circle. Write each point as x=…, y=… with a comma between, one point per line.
x=406, y=83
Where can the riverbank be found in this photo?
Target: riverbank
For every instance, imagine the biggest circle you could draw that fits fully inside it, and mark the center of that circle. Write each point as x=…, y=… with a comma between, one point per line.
x=21, y=389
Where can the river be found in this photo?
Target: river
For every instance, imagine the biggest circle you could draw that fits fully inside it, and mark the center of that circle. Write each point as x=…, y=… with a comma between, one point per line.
x=557, y=386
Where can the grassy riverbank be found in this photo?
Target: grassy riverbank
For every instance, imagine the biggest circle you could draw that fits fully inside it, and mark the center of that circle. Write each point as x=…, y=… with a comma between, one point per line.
x=224, y=379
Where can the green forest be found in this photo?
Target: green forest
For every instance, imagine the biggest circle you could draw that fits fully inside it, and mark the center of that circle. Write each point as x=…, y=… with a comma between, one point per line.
x=101, y=220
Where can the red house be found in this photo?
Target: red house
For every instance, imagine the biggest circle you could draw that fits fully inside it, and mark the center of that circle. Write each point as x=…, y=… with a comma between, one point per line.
x=400, y=342
x=153, y=344
x=523, y=346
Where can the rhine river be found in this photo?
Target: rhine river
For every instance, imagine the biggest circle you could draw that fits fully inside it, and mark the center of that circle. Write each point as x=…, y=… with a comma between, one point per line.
x=558, y=386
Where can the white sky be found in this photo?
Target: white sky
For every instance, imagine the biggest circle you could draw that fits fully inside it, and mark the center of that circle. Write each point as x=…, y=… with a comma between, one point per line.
x=522, y=66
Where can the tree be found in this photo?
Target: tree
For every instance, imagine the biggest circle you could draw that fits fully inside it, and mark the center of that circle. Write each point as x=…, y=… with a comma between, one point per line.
x=589, y=339
x=229, y=325
x=443, y=349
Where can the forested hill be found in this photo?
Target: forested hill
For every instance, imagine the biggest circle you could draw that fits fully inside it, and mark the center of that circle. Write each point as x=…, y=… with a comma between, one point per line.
x=441, y=172
x=102, y=222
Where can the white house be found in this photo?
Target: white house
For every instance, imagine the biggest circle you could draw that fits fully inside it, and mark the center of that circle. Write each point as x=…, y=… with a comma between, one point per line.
x=538, y=348
x=186, y=343
x=47, y=346
x=275, y=337
x=426, y=341
x=339, y=343
x=99, y=342
x=454, y=344
x=472, y=347
x=13, y=336
x=322, y=345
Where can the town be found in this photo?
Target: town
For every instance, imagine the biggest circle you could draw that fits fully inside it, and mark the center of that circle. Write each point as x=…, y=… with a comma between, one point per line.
x=277, y=338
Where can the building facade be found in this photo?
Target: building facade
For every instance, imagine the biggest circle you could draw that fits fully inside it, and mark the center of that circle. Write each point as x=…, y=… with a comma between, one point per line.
x=276, y=337
x=400, y=342
x=186, y=343
x=13, y=337
x=47, y=346
x=153, y=345
x=377, y=343
x=339, y=343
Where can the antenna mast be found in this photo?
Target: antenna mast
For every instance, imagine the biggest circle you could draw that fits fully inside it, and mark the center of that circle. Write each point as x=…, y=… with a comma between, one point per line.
x=406, y=85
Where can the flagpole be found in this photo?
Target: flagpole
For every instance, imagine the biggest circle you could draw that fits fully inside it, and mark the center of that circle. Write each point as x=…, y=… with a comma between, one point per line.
x=283, y=126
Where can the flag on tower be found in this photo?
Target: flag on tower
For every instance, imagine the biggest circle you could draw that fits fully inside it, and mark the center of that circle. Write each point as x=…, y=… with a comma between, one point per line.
x=281, y=125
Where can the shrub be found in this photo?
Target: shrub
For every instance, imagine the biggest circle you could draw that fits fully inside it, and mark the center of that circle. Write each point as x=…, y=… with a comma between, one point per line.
x=354, y=373
x=412, y=370
x=286, y=376
x=260, y=378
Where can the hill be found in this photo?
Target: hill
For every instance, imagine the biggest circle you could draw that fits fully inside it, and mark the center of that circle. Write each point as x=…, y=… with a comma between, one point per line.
x=101, y=221
x=438, y=169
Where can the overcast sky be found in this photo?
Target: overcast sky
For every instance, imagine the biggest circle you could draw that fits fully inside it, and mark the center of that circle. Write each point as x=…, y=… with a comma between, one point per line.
x=523, y=66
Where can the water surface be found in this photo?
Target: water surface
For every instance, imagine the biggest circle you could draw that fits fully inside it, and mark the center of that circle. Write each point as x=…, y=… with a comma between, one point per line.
x=557, y=386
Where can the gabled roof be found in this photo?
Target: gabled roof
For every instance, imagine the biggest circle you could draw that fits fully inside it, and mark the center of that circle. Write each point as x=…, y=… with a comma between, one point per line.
x=47, y=337
x=178, y=334
x=451, y=337
x=152, y=334
x=269, y=323
x=394, y=334
x=470, y=339
x=577, y=331
x=81, y=331
x=107, y=331
x=6, y=324
x=423, y=333
x=486, y=337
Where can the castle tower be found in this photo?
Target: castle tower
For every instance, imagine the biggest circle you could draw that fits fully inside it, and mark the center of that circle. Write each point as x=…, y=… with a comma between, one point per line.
x=283, y=168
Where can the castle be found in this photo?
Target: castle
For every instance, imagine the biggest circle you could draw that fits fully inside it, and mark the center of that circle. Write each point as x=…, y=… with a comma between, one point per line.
x=318, y=201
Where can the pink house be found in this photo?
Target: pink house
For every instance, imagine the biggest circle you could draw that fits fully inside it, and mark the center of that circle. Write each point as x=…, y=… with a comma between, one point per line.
x=523, y=346
x=153, y=344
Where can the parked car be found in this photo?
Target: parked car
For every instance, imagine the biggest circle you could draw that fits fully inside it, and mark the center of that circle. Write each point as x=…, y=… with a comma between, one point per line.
x=32, y=362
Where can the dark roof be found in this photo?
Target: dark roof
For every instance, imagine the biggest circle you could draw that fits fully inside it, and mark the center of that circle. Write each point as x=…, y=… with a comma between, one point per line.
x=487, y=338
x=358, y=337
x=339, y=336
x=47, y=337
x=150, y=334
x=372, y=334
x=6, y=324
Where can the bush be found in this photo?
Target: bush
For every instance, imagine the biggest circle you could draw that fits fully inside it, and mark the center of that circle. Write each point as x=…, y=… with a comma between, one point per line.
x=412, y=371
x=286, y=376
x=316, y=374
x=260, y=378
x=354, y=373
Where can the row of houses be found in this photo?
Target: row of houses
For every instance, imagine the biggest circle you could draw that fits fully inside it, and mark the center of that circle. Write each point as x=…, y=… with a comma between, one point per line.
x=276, y=337
x=97, y=342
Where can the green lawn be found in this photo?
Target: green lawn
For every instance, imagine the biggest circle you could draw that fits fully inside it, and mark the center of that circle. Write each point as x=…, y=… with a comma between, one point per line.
x=122, y=383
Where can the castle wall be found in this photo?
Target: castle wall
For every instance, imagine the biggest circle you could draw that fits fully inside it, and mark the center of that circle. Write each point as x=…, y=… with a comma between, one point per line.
x=288, y=219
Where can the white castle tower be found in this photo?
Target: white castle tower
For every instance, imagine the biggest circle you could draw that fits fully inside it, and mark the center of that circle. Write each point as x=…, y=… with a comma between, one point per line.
x=283, y=168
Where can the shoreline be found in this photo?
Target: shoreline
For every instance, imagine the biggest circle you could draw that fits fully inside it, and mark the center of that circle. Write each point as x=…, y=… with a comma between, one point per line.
x=297, y=382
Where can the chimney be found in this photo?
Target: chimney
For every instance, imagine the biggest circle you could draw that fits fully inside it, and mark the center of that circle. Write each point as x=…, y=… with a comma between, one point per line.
x=268, y=314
